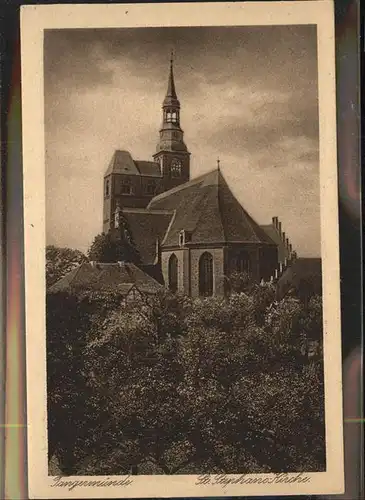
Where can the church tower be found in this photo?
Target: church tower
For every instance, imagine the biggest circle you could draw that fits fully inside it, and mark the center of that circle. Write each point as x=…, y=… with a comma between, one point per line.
x=171, y=152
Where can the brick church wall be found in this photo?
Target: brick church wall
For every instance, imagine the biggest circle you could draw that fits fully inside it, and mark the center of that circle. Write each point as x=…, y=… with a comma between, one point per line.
x=165, y=257
x=218, y=270
x=188, y=269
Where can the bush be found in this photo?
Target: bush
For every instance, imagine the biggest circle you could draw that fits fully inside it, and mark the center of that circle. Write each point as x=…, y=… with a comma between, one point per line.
x=191, y=386
x=108, y=247
x=60, y=261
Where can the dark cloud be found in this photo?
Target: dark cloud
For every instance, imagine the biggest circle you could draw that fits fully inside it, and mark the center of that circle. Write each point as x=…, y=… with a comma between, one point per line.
x=274, y=122
x=253, y=54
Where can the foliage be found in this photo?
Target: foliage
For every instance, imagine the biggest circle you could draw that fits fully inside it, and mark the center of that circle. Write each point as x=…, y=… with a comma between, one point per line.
x=187, y=385
x=106, y=247
x=239, y=282
x=60, y=261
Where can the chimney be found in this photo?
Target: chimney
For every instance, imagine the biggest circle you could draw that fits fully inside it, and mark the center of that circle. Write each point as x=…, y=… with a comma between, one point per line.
x=283, y=236
x=276, y=274
x=279, y=227
x=275, y=222
x=290, y=248
x=280, y=267
x=287, y=242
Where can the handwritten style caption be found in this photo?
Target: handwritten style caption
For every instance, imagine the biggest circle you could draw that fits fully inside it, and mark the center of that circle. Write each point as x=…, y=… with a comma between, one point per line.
x=224, y=480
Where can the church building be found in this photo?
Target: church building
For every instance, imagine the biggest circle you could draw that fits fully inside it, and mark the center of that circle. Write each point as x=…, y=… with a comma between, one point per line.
x=191, y=234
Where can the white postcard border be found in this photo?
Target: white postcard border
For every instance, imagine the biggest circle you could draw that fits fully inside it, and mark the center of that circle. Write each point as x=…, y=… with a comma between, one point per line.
x=34, y=19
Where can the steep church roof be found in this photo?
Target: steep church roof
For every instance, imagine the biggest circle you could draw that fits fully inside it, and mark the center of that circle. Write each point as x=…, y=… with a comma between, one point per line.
x=207, y=209
x=146, y=227
x=123, y=163
x=99, y=276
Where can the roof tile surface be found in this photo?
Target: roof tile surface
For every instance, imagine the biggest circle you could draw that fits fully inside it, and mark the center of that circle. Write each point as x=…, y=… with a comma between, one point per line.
x=100, y=276
x=207, y=208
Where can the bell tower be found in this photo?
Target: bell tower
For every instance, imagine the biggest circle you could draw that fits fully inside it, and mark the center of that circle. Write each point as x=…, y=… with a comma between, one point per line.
x=171, y=152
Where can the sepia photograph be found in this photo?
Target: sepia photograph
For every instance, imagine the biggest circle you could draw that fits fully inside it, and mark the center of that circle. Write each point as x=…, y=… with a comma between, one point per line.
x=185, y=283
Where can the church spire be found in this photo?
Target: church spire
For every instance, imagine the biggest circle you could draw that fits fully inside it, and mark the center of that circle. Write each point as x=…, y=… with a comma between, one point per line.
x=171, y=92
x=171, y=96
x=171, y=152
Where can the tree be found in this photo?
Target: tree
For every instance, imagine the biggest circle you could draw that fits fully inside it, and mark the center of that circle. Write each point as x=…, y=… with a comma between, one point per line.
x=68, y=321
x=239, y=282
x=182, y=385
x=60, y=261
x=75, y=412
x=107, y=248
x=197, y=386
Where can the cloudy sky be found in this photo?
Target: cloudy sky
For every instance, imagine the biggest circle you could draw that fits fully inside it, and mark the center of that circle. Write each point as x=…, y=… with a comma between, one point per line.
x=248, y=96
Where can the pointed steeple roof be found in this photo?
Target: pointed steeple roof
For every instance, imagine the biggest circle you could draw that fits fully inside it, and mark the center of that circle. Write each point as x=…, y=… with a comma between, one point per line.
x=171, y=96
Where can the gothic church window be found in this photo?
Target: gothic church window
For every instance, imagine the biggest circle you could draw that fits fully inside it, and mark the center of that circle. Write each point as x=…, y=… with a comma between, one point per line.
x=206, y=275
x=176, y=168
x=243, y=264
x=173, y=274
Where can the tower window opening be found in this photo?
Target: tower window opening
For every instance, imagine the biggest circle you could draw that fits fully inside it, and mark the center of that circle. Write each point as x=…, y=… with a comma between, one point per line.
x=126, y=187
x=174, y=117
x=107, y=188
x=173, y=273
x=206, y=275
x=176, y=168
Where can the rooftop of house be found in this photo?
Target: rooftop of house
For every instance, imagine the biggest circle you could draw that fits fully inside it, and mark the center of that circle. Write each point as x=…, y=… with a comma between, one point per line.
x=119, y=276
x=304, y=271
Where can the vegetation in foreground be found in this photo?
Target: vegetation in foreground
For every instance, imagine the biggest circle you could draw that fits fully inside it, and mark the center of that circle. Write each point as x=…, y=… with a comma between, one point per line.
x=185, y=386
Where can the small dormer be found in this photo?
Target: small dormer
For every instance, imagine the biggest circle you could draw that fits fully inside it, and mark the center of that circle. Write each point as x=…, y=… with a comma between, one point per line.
x=184, y=237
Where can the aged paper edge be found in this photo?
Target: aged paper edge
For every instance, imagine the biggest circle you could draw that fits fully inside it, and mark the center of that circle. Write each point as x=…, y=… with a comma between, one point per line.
x=34, y=20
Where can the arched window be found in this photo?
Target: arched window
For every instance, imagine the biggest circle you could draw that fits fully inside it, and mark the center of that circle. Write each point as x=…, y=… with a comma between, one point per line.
x=206, y=275
x=173, y=264
x=243, y=264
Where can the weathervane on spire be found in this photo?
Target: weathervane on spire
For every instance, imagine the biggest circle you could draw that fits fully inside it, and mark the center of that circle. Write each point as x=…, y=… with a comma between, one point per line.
x=218, y=163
